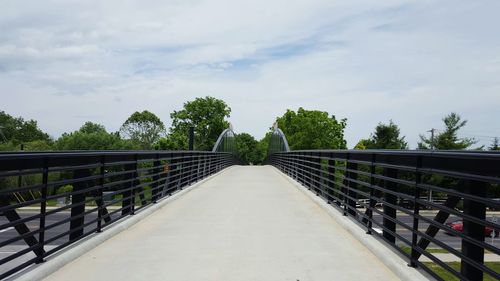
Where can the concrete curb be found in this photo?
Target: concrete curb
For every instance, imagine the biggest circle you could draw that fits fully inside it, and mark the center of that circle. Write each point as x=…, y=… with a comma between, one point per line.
x=57, y=261
x=392, y=260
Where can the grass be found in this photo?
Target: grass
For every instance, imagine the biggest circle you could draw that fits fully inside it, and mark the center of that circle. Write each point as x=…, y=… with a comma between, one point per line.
x=495, y=266
x=456, y=266
x=407, y=250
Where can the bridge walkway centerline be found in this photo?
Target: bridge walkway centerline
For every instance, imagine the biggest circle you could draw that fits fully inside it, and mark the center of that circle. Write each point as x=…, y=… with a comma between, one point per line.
x=249, y=223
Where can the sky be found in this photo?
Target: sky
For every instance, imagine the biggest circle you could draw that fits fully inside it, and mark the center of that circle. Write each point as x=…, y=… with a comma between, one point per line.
x=63, y=63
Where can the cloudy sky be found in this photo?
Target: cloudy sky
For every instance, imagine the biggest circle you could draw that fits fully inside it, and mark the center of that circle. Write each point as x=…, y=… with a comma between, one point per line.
x=66, y=62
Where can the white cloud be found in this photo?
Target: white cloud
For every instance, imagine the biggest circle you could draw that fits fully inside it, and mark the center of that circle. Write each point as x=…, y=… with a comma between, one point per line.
x=64, y=62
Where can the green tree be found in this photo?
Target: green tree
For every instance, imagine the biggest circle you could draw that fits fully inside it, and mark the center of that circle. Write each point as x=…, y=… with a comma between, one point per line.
x=248, y=149
x=90, y=128
x=312, y=129
x=494, y=145
x=17, y=130
x=173, y=141
x=39, y=145
x=145, y=128
x=448, y=139
x=386, y=136
x=362, y=144
x=93, y=136
x=208, y=117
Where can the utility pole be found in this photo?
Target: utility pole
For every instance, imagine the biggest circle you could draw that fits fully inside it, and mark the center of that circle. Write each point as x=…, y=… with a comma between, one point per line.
x=432, y=137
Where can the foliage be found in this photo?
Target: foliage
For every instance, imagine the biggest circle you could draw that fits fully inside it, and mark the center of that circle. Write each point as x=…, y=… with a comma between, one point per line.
x=448, y=139
x=93, y=136
x=9, y=146
x=65, y=189
x=386, y=136
x=207, y=116
x=173, y=141
x=362, y=144
x=494, y=145
x=16, y=130
x=90, y=128
x=144, y=128
x=312, y=129
x=248, y=149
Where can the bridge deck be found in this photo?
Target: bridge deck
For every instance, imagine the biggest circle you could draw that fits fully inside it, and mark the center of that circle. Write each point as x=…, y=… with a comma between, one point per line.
x=249, y=223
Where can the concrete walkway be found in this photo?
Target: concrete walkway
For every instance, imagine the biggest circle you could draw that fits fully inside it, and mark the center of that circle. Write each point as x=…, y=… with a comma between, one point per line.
x=248, y=224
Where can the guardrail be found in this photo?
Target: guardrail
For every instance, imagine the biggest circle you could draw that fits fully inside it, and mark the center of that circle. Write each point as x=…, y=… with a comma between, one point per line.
x=51, y=200
x=468, y=181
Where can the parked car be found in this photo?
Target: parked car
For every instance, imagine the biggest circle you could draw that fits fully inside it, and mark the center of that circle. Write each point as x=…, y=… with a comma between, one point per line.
x=458, y=225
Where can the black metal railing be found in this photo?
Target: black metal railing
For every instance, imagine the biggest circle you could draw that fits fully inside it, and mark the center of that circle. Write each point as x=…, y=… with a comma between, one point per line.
x=408, y=198
x=51, y=200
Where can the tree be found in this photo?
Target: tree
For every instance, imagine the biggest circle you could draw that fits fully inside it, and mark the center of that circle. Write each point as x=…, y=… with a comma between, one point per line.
x=248, y=149
x=312, y=129
x=173, y=141
x=92, y=136
x=386, y=136
x=17, y=130
x=494, y=145
x=90, y=128
x=448, y=139
x=208, y=117
x=362, y=144
x=145, y=128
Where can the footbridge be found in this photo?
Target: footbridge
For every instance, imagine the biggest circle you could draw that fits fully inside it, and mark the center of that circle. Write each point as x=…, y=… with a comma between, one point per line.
x=195, y=215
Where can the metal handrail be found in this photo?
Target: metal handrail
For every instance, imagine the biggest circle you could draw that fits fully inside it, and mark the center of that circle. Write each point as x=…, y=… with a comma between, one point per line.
x=386, y=191
x=91, y=190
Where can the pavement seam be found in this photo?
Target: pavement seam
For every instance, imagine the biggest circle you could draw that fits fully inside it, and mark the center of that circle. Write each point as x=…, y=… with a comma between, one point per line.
x=387, y=256
x=71, y=253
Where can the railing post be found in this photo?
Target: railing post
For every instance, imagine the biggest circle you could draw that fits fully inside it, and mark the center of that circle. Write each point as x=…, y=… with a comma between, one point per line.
x=128, y=195
x=473, y=230
x=331, y=179
x=100, y=194
x=309, y=171
x=371, y=201
x=173, y=183
x=156, y=178
x=416, y=211
x=345, y=185
x=295, y=167
x=205, y=165
x=168, y=177
x=199, y=173
x=389, y=211
x=78, y=200
x=43, y=210
x=317, y=176
x=299, y=162
x=352, y=186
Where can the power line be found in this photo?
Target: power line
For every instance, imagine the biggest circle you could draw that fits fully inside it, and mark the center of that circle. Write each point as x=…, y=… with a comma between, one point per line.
x=478, y=136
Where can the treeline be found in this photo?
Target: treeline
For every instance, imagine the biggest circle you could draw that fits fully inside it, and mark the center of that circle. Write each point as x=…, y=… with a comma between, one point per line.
x=141, y=131
x=387, y=136
x=305, y=129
